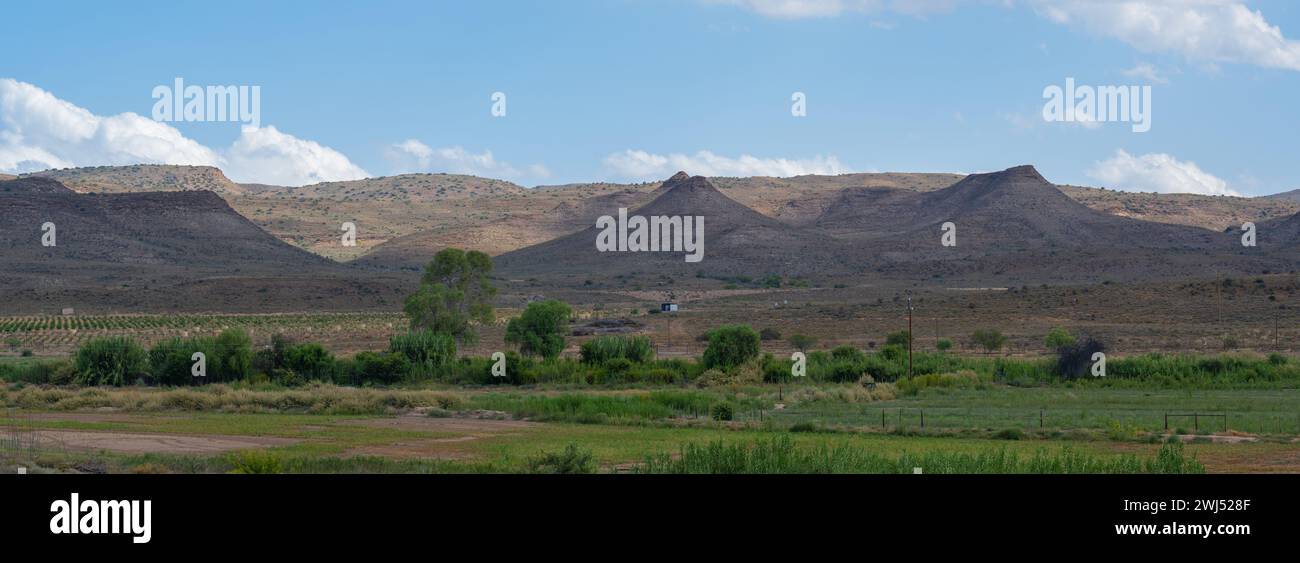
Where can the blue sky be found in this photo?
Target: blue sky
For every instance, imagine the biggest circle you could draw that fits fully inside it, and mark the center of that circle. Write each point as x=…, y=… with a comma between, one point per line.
x=628, y=89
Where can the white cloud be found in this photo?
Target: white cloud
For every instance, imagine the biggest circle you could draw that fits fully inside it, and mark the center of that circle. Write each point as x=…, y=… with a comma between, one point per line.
x=40, y=131
x=412, y=155
x=1148, y=72
x=267, y=156
x=642, y=165
x=1206, y=31
x=1157, y=172
x=1201, y=30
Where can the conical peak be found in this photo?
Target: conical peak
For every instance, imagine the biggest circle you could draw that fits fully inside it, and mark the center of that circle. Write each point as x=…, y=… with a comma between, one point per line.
x=682, y=182
x=1026, y=171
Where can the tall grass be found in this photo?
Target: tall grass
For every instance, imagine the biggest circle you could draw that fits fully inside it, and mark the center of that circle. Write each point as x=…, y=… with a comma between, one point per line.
x=427, y=350
x=602, y=349
x=598, y=409
x=111, y=360
x=314, y=399
x=780, y=456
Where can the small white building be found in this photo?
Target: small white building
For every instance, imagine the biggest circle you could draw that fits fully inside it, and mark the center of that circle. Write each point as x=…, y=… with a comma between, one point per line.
x=68, y=312
x=668, y=308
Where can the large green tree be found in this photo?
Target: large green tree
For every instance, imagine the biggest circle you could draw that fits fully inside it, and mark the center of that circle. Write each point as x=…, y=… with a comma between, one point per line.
x=454, y=293
x=540, y=330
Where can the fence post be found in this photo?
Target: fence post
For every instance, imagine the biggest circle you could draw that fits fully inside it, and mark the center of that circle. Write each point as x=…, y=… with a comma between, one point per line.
x=882, y=419
x=922, y=419
x=1040, y=419
x=1166, y=421
x=1196, y=421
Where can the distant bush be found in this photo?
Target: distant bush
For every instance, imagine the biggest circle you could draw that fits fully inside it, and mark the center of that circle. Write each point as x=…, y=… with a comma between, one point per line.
x=540, y=329
x=991, y=340
x=1058, y=338
x=425, y=349
x=253, y=462
x=943, y=345
x=802, y=342
x=901, y=338
x=848, y=354
x=915, y=384
x=233, y=360
x=111, y=360
x=722, y=411
x=1075, y=360
x=769, y=334
x=730, y=346
x=602, y=349
x=171, y=362
x=384, y=368
x=273, y=357
x=51, y=372
x=311, y=361
x=573, y=460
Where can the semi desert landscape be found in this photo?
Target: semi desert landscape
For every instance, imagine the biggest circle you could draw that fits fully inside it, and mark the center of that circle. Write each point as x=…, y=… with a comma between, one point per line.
x=965, y=355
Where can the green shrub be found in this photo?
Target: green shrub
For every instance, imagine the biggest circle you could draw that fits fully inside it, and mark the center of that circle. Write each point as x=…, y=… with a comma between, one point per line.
x=372, y=367
x=991, y=340
x=51, y=372
x=572, y=461
x=802, y=342
x=769, y=334
x=901, y=339
x=540, y=329
x=252, y=462
x=111, y=360
x=1058, y=338
x=234, y=356
x=1009, y=434
x=170, y=361
x=602, y=349
x=425, y=349
x=310, y=360
x=722, y=411
x=730, y=346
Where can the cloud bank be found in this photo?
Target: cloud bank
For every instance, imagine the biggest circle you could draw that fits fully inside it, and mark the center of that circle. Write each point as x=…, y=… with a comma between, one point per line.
x=642, y=165
x=40, y=131
x=412, y=155
x=1207, y=31
x=1157, y=172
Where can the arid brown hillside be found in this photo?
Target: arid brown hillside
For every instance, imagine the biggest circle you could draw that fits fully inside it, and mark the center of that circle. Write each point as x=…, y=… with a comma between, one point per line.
x=403, y=220
x=1013, y=228
x=1209, y=212
x=1293, y=195
x=183, y=250
x=143, y=178
x=737, y=241
x=34, y=185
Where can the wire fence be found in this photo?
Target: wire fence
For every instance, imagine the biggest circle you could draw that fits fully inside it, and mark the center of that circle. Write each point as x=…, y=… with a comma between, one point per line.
x=22, y=443
x=955, y=418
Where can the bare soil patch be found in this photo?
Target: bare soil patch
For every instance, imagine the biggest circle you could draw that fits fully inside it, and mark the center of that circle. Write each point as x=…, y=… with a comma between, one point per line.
x=130, y=442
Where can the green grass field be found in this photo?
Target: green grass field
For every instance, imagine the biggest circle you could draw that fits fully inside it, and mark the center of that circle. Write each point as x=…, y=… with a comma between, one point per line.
x=991, y=429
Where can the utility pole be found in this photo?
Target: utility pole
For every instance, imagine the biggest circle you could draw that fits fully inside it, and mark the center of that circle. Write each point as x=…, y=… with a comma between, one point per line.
x=909, y=334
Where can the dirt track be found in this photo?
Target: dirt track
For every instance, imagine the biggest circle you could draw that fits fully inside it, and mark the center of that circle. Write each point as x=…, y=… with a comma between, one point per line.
x=130, y=442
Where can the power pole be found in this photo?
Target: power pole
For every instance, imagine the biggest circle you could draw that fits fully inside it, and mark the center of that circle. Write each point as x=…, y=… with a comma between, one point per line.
x=909, y=335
